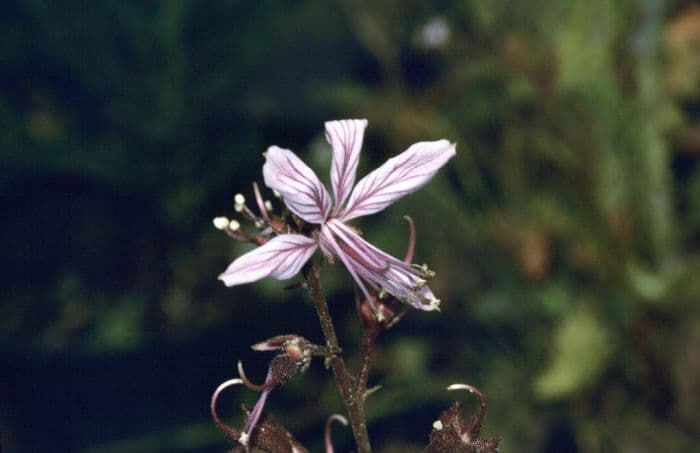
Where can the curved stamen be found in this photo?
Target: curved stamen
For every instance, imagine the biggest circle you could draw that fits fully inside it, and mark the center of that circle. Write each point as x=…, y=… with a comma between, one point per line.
x=227, y=430
x=476, y=423
x=254, y=416
x=356, y=257
x=470, y=389
x=408, y=259
x=354, y=248
x=333, y=418
x=261, y=204
x=379, y=257
x=268, y=384
x=331, y=244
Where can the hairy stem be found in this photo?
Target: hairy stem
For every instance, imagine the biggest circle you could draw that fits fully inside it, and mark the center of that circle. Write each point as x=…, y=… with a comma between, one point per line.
x=354, y=403
x=370, y=335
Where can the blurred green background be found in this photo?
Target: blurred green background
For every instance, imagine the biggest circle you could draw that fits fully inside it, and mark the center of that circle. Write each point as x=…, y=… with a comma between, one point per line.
x=565, y=234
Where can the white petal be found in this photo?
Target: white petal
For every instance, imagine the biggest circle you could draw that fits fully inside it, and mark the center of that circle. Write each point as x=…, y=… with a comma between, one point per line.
x=299, y=186
x=379, y=269
x=398, y=176
x=281, y=257
x=329, y=243
x=345, y=136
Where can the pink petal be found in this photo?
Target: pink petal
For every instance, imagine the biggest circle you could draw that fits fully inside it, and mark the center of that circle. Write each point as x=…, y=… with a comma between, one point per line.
x=281, y=257
x=378, y=269
x=329, y=243
x=398, y=176
x=345, y=137
x=299, y=186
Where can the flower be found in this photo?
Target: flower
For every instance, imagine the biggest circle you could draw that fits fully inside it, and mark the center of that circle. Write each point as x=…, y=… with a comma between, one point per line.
x=261, y=432
x=451, y=433
x=373, y=270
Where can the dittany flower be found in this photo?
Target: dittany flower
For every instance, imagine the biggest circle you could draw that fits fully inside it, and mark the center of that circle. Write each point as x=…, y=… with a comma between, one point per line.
x=374, y=271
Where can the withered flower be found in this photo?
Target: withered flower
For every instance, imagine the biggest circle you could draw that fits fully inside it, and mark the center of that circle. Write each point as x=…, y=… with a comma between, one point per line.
x=451, y=434
x=261, y=432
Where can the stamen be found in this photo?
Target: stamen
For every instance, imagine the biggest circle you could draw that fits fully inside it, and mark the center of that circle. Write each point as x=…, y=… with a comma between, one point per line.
x=220, y=223
x=254, y=416
x=250, y=384
x=353, y=251
x=378, y=257
x=424, y=269
x=228, y=431
x=240, y=207
x=467, y=387
x=356, y=257
x=337, y=250
x=408, y=259
x=476, y=421
x=262, y=207
x=329, y=422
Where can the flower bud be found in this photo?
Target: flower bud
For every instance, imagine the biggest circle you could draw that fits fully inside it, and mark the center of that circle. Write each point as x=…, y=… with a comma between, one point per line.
x=451, y=434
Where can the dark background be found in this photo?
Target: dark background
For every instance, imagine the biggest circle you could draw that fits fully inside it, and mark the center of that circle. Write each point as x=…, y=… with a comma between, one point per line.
x=565, y=234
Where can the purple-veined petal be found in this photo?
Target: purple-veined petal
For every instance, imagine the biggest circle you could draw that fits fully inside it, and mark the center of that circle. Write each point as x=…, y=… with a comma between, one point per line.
x=281, y=257
x=380, y=270
x=398, y=176
x=421, y=298
x=328, y=242
x=301, y=190
x=345, y=137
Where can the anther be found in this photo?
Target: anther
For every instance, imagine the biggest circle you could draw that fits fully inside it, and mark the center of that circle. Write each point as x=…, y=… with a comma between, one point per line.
x=426, y=270
x=221, y=223
x=268, y=205
x=233, y=225
x=239, y=199
x=437, y=424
